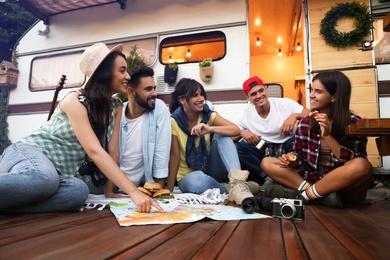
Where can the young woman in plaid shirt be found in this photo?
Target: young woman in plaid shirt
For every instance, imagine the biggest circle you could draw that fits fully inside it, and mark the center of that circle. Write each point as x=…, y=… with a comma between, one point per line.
x=332, y=168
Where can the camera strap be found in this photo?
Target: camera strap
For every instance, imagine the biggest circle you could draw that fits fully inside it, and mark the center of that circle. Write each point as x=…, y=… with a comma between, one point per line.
x=86, y=104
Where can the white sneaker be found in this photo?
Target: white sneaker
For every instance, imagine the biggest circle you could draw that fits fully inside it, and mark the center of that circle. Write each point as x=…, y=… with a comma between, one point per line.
x=254, y=187
x=239, y=189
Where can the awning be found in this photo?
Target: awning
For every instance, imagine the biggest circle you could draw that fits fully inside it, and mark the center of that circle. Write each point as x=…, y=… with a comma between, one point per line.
x=43, y=9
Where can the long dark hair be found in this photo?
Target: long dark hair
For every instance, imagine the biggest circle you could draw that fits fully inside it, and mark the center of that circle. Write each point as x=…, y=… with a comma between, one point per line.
x=185, y=88
x=338, y=85
x=98, y=93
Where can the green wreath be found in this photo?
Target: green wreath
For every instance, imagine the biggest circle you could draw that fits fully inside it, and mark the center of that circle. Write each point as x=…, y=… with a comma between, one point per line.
x=338, y=39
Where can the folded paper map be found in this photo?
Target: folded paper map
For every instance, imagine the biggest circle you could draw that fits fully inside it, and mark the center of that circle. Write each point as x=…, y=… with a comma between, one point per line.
x=127, y=215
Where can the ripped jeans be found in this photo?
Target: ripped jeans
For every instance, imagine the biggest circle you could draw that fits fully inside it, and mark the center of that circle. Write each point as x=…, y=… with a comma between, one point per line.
x=222, y=158
x=29, y=183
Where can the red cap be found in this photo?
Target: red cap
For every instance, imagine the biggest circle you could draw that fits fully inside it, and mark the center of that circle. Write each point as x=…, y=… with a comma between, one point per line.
x=251, y=82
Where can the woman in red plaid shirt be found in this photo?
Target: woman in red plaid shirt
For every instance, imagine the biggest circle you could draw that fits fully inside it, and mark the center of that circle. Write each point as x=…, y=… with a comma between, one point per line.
x=331, y=167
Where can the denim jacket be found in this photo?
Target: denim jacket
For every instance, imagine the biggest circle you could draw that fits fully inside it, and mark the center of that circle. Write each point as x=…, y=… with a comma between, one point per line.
x=156, y=140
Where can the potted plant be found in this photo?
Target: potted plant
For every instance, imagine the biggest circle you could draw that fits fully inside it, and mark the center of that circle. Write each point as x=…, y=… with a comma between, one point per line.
x=134, y=59
x=170, y=73
x=206, y=69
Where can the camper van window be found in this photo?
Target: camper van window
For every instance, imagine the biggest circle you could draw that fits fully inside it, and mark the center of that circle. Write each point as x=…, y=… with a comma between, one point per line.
x=193, y=47
x=47, y=71
x=145, y=47
x=381, y=42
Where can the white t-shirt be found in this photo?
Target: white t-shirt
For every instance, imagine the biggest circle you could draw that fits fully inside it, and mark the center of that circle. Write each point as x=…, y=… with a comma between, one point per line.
x=132, y=162
x=268, y=128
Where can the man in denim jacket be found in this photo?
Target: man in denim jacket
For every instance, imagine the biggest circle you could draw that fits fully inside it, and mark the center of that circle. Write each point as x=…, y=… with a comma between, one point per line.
x=145, y=134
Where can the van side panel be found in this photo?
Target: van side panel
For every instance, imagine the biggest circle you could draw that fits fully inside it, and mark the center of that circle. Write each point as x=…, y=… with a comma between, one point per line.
x=110, y=23
x=74, y=31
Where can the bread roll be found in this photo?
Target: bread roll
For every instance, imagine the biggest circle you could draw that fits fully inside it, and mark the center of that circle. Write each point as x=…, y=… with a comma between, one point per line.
x=292, y=159
x=314, y=113
x=152, y=186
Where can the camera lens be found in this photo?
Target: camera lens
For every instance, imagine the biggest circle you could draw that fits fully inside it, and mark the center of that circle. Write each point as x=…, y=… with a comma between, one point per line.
x=98, y=178
x=288, y=211
x=248, y=205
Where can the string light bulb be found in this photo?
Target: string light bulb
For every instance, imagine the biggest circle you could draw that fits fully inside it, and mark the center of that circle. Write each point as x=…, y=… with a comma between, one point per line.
x=258, y=42
x=366, y=46
x=188, y=53
x=280, y=53
x=299, y=48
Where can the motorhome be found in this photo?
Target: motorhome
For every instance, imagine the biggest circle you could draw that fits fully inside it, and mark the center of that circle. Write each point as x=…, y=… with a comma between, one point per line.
x=279, y=41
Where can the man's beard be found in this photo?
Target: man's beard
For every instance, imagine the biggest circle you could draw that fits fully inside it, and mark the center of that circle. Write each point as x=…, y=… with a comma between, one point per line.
x=144, y=104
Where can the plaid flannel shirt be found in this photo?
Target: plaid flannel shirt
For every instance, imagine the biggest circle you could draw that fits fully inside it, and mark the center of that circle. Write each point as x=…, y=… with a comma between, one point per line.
x=307, y=147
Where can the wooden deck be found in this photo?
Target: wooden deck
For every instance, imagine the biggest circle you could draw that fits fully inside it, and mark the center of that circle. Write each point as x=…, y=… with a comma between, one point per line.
x=358, y=232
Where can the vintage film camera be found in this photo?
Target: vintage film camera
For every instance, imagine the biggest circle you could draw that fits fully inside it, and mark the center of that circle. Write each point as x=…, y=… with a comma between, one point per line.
x=288, y=208
x=89, y=168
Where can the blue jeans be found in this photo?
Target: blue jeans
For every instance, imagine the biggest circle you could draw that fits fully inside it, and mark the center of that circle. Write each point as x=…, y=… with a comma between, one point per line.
x=222, y=158
x=29, y=183
x=251, y=157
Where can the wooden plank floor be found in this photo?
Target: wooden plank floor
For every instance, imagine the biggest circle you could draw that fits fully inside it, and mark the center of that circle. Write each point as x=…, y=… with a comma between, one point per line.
x=357, y=232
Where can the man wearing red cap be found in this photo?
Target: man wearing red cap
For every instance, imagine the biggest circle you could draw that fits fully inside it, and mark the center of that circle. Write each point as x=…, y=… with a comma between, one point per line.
x=265, y=119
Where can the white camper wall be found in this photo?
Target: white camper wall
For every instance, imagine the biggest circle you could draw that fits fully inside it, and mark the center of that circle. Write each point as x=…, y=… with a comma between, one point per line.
x=230, y=110
x=21, y=125
x=384, y=104
x=74, y=31
x=140, y=18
